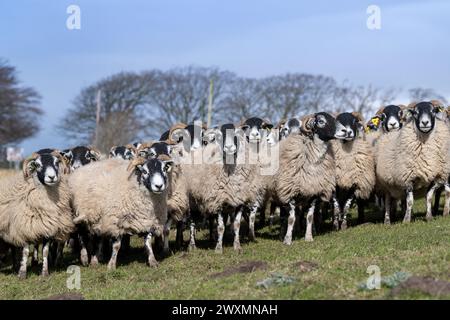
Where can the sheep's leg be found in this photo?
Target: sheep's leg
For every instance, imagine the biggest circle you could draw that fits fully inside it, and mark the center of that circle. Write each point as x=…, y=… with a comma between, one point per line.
x=59, y=253
x=192, y=237
x=251, y=224
x=84, y=258
x=220, y=232
x=409, y=204
x=437, y=197
x=336, y=213
x=430, y=195
x=273, y=209
x=166, y=233
x=291, y=222
x=179, y=237
x=24, y=261
x=115, y=251
x=97, y=249
x=212, y=237
x=361, y=204
x=35, y=256
x=347, y=205
x=45, y=249
x=387, y=208
x=447, y=200
x=148, y=246
x=309, y=221
x=236, y=228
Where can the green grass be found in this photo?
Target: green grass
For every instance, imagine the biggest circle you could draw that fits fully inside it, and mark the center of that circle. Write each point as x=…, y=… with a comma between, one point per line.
x=420, y=248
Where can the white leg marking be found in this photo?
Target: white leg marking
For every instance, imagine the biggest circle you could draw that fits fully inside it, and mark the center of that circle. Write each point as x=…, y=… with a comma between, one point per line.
x=252, y=218
x=430, y=195
x=409, y=204
x=447, y=200
x=24, y=261
x=220, y=231
x=236, y=228
x=192, y=236
x=387, y=214
x=115, y=251
x=166, y=248
x=309, y=221
x=347, y=205
x=45, y=249
x=336, y=214
x=148, y=246
x=291, y=222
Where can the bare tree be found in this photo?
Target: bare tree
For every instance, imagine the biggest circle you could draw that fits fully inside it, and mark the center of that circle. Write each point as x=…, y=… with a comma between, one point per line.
x=122, y=116
x=19, y=107
x=422, y=94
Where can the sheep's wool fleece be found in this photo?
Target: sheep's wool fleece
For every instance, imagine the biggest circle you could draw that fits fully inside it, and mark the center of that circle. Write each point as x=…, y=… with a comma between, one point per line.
x=178, y=198
x=30, y=211
x=409, y=158
x=355, y=166
x=306, y=169
x=214, y=186
x=110, y=201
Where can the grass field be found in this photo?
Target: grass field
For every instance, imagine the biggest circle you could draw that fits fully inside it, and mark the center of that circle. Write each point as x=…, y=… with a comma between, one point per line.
x=331, y=267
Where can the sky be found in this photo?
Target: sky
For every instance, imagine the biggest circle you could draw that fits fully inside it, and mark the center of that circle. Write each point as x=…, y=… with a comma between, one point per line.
x=253, y=38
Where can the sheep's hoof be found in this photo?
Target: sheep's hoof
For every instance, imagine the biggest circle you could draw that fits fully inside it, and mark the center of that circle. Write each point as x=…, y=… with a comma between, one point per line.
x=387, y=222
x=84, y=259
x=111, y=266
x=287, y=241
x=237, y=247
x=22, y=275
x=309, y=238
x=429, y=218
x=153, y=263
x=344, y=225
x=336, y=225
x=219, y=250
x=406, y=220
x=251, y=236
x=191, y=247
x=94, y=262
x=44, y=274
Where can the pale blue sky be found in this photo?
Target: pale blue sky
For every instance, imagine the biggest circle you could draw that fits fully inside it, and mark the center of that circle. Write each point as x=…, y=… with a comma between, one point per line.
x=252, y=38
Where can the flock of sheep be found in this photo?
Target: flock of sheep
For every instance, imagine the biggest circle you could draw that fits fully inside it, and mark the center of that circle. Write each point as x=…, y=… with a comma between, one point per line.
x=223, y=174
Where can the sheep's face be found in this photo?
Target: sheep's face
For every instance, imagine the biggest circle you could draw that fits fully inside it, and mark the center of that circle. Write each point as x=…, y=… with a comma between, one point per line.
x=424, y=114
x=46, y=168
x=322, y=125
x=122, y=152
x=155, y=150
x=391, y=118
x=191, y=136
x=81, y=156
x=292, y=126
x=256, y=129
x=154, y=174
x=228, y=139
x=347, y=126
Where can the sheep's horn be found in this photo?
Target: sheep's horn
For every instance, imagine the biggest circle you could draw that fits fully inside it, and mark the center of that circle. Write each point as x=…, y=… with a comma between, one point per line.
x=132, y=148
x=358, y=116
x=307, y=125
x=135, y=162
x=164, y=157
x=380, y=111
x=64, y=161
x=93, y=150
x=25, y=169
x=280, y=124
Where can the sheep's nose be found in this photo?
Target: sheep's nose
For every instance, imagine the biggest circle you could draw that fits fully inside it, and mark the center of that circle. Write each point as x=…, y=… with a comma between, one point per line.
x=425, y=122
x=158, y=186
x=392, y=124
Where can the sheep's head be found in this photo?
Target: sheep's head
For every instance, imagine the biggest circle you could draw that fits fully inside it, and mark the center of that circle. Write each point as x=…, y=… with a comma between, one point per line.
x=152, y=173
x=155, y=149
x=424, y=115
x=256, y=129
x=321, y=124
x=127, y=152
x=291, y=126
x=391, y=117
x=81, y=156
x=45, y=167
x=348, y=125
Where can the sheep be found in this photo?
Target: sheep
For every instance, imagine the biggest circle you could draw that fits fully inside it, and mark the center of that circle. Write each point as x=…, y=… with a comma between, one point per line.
x=224, y=183
x=127, y=152
x=36, y=206
x=414, y=158
x=355, y=168
x=80, y=156
x=306, y=170
x=124, y=198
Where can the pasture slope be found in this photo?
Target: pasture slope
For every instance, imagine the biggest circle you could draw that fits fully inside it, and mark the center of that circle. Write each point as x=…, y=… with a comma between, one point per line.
x=332, y=267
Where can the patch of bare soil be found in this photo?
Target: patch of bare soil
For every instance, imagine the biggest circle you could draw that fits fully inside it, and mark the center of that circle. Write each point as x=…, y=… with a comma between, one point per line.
x=426, y=285
x=245, y=267
x=306, y=266
x=66, y=296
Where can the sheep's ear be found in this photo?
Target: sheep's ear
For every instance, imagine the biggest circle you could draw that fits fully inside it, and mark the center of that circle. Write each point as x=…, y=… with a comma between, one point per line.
x=211, y=135
x=168, y=164
x=441, y=112
x=94, y=153
x=29, y=166
x=112, y=152
x=267, y=125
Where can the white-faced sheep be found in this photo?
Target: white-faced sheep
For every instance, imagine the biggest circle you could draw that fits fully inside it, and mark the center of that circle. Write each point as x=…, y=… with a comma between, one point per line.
x=414, y=159
x=123, y=198
x=127, y=152
x=355, y=167
x=35, y=207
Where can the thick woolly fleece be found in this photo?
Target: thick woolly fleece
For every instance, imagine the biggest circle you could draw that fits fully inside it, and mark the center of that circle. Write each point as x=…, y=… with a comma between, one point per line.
x=30, y=211
x=109, y=200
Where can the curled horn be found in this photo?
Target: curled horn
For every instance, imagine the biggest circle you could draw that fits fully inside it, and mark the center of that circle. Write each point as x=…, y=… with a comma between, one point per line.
x=164, y=157
x=132, y=148
x=280, y=124
x=267, y=123
x=135, y=162
x=358, y=116
x=25, y=166
x=380, y=111
x=63, y=160
x=173, y=129
x=307, y=123
x=95, y=152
